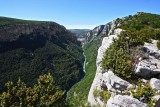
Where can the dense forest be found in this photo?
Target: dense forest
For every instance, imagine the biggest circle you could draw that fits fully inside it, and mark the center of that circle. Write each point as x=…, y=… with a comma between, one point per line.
x=29, y=49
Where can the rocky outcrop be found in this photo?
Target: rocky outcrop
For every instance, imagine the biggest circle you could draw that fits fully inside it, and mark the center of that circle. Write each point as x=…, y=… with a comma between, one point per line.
x=94, y=33
x=124, y=101
x=150, y=66
x=98, y=77
x=107, y=79
x=146, y=65
x=102, y=30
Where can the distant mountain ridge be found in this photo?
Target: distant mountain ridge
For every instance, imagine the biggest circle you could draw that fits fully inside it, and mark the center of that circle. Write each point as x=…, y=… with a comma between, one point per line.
x=79, y=32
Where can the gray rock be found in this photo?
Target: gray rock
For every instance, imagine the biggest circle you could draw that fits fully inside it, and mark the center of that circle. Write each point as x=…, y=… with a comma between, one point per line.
x=148, y=68
x=155, y=84
x=156, y=97
x=124, y=101
x=102, y=30
x=114, y=82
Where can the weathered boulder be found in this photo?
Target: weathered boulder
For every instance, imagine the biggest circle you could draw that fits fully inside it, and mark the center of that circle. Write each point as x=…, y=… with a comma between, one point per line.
x=149, y=67
x=155, y=83
x=124, y=101
x=156, y=97
x=113, y=82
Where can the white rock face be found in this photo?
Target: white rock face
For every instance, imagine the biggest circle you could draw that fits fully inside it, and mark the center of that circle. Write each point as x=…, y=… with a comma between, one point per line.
x=98, y=77
x=149, y=67
x=124, y=101
x=107, y=79
x=155, y=83
x=117, y=31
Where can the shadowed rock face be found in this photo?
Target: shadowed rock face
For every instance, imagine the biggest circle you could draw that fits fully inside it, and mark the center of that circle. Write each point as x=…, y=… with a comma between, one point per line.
x=17, y=36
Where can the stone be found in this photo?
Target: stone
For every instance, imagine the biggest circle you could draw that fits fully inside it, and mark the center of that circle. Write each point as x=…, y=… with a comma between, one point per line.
x=124, y=101
x=155, y=84
x=112, y=81
x=150, y=67
x=157, y=97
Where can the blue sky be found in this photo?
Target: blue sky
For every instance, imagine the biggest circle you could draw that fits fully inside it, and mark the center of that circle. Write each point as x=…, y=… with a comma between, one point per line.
x=76, y=13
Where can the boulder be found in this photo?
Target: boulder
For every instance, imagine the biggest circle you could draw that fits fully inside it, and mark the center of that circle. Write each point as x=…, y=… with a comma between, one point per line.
x=156, y=97
x=112, y=81
x=124, y=101
x=155, y=84
x=150, y=67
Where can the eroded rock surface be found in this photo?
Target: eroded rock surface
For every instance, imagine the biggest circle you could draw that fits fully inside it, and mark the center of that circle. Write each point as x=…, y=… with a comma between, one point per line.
x=155, y=84
x=124, y=101
x=149, y=67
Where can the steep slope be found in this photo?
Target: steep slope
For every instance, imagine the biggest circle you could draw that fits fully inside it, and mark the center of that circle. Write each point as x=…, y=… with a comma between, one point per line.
x=128, y=65
x=32, y=48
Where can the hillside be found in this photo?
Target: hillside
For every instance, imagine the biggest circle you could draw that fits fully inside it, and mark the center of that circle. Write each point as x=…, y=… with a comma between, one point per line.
x=29, y=49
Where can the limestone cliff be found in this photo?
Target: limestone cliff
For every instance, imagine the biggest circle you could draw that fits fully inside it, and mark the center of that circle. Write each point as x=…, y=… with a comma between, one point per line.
x=144, y=54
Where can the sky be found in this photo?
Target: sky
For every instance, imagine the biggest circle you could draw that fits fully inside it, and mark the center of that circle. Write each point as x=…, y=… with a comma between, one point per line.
x=76, y=14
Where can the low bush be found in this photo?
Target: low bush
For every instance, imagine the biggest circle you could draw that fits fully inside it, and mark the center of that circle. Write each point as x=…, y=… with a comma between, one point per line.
x=104, y=95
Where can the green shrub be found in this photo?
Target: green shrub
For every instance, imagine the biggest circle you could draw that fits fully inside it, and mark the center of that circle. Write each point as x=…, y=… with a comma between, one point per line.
x=117, y=58
x=158, y=44
x=42, y=94
x=143, y=93
x=104, y=95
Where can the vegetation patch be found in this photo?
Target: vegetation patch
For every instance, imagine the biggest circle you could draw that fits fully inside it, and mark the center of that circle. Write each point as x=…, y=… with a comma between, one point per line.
x=144, y=93
x=104, y=95
x=43, y=94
